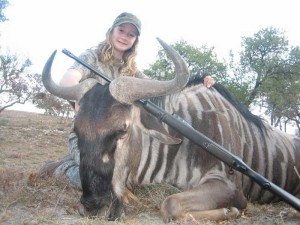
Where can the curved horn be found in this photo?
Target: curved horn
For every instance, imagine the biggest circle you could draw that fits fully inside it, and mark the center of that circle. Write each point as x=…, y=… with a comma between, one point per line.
x=68, y=93
x=129, y=89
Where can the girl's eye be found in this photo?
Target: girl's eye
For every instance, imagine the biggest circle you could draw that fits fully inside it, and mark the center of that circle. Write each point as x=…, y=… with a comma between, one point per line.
x=132, y=35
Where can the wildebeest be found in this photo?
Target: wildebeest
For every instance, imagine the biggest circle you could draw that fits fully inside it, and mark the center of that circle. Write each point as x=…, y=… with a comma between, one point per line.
x=121, y=145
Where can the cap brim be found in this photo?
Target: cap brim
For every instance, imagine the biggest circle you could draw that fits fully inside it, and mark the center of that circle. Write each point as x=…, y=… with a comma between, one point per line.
x=129, y=21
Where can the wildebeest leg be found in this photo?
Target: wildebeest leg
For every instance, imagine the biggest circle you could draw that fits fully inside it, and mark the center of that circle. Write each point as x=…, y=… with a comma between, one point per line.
x=115, y=209
x=206, y=201
x=215, y=214
x=123, y=156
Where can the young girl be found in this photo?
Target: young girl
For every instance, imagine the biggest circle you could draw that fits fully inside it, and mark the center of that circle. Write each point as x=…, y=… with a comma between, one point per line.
x=114, y=57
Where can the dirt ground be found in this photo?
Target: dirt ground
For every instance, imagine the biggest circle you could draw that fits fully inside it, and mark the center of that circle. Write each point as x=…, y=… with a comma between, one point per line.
x=27, y=140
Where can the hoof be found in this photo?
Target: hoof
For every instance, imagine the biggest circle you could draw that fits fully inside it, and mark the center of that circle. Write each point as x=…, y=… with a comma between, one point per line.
x=170, y=209
x=116, y=210
x=81, y=210
x=232, y=213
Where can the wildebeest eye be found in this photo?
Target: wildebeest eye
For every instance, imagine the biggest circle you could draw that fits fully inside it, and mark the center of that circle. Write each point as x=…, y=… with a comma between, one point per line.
x=117, y=132
x=121, y=133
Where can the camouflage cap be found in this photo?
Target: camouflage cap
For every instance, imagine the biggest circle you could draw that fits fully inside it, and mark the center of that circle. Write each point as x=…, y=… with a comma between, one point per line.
x=126, y=17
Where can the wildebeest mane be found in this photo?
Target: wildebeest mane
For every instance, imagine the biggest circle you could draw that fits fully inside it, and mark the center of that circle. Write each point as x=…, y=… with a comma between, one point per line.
x=194, y=80
x=239, y=106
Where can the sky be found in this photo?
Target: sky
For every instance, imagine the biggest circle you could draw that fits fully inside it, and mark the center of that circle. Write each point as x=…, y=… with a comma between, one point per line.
x=38, y=27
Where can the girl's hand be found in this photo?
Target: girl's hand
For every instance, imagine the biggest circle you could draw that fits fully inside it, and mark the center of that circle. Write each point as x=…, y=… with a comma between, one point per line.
x=208, y=81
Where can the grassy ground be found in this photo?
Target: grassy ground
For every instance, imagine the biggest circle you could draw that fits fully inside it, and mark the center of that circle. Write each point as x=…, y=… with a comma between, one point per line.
x=27, y=140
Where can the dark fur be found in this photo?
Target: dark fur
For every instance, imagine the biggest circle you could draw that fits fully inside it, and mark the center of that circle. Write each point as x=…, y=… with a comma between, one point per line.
x=95, y=108
x=99, y=125
x=197, y=79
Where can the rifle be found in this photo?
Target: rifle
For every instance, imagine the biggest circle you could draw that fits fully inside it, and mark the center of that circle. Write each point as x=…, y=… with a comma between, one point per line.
x=181, y=126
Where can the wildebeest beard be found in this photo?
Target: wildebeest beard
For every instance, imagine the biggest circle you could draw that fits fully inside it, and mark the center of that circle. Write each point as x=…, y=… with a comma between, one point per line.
x=97, y=109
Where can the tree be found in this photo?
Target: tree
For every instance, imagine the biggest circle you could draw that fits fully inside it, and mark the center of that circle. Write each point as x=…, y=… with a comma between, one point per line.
x=262, y=57
x=282, y=92
x=16, y=86
x=268, y=75
x=3, y=5
x=199, y=60
x=51, y=104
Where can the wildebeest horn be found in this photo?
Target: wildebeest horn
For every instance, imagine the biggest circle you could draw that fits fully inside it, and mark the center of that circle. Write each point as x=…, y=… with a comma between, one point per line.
x=68, y=93
x=129, y=89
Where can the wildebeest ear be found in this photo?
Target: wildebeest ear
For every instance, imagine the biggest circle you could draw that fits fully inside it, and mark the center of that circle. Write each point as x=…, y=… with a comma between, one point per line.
x=154, y=128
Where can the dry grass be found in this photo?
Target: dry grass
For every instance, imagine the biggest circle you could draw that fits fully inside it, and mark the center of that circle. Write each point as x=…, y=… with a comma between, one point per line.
x=28, y=139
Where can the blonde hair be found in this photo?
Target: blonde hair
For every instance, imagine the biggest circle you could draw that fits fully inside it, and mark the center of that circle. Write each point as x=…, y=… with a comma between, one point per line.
x=106, y=52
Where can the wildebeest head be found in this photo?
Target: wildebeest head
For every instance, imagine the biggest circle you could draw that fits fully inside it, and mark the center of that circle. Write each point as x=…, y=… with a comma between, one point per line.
x=107, y=121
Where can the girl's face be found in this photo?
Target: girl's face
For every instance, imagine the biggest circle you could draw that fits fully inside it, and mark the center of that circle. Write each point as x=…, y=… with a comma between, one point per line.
x=123, y=38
